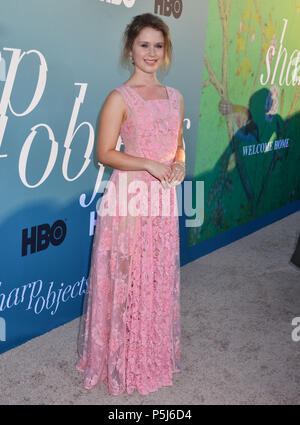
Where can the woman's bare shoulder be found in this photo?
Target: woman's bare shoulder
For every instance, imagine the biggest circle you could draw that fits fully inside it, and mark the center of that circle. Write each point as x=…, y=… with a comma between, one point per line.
x=115, y=94
x=178, y=93
x=114, y=99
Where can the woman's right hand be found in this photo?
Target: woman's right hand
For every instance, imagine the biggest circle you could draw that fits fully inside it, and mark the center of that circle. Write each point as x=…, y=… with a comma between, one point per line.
x=160, y=171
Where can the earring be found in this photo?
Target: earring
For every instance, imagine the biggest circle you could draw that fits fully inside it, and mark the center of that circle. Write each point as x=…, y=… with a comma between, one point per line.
x=132, y=60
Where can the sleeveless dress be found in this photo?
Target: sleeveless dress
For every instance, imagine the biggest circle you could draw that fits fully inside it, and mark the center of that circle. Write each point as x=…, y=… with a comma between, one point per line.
x=129, y=334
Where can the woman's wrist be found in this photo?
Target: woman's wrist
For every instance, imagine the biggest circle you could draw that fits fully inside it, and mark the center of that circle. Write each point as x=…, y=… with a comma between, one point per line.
x=181, y=163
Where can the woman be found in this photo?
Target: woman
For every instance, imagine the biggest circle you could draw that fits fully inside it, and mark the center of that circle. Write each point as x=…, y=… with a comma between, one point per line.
x=130, y=334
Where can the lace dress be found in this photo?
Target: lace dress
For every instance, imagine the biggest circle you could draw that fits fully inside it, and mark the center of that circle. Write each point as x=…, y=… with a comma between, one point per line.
x=129, y=335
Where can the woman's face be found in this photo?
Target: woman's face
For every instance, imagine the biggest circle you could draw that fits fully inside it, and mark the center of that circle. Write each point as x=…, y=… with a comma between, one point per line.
x=148, y=50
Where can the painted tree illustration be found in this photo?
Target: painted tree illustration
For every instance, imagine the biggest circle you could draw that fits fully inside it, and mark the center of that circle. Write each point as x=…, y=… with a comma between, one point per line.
x=237, y=116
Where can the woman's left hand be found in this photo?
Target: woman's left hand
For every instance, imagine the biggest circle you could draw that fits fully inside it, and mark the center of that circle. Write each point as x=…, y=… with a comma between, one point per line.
x=177, y=173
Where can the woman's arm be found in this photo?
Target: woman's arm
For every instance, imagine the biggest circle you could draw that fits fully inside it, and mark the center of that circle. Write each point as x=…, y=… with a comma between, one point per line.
x=180, y=153
x=178, y=166
x=112, y=116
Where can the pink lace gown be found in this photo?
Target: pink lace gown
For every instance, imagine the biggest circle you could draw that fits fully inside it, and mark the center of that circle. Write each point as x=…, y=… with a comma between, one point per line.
x=129, y=335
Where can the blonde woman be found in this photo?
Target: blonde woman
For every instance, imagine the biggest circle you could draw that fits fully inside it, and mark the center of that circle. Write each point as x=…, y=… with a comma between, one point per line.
x=130, y=328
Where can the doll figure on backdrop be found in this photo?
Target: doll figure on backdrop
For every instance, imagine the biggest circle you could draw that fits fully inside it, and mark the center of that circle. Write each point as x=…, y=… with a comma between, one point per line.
x=129, y=336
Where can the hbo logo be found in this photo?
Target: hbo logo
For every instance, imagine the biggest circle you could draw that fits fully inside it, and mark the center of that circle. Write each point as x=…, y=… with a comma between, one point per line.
x=168, y=7
x=40, y=236
x=127, y=3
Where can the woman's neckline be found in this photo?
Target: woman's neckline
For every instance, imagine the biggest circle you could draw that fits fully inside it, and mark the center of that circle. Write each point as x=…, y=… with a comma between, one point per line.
x=150, y=100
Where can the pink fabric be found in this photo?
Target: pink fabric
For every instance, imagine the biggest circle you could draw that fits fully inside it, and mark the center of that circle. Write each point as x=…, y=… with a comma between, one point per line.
x=129, y=335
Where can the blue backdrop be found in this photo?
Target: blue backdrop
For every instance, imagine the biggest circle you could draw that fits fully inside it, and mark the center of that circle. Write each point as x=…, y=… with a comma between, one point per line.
x=59, y=60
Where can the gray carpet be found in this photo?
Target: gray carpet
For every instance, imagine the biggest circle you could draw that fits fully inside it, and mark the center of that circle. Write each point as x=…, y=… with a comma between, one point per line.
x=237, y=305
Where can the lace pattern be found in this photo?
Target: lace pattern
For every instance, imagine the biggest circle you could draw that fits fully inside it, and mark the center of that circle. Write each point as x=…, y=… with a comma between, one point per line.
x=129, y=334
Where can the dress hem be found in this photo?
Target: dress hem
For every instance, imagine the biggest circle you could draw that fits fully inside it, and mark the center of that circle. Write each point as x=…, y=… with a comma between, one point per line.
x=100, y=380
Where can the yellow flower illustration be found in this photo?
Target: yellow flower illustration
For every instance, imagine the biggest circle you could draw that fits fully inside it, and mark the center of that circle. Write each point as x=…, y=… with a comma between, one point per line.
x=245, y=68
x=270, y=29
x=241, y=43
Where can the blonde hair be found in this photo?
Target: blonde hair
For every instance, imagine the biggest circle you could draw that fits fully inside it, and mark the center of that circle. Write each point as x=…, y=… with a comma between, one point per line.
x=133, y=29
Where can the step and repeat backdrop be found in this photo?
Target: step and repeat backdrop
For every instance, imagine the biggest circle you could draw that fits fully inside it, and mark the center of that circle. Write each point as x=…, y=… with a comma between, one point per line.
x=237, y=65
x=248, y=147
